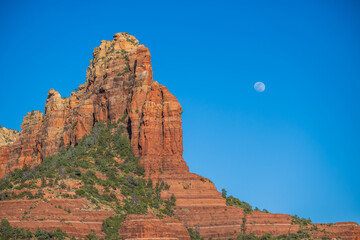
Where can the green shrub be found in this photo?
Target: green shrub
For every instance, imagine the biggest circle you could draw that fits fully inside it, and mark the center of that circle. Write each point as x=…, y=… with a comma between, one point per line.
x=30, y=185
x=7, y=232
x=267, y=236
x=95, y=153
x=62, y=185
x=296, y=220
x=250, y=236
x=169, y=206
x=194, y=235
x=80, y=192
x=91, y=236
x=232, y=201
x=111, y=226
x=223, y=193
x=126, y=70
x=5, y=184
x=44, y=235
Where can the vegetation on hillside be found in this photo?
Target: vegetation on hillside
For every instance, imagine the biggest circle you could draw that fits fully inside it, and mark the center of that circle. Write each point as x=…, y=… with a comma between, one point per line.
x=9, y=232
x=301, y=234
x=104, y=163
x=306, y=231
x=300, y=221
x=233, y=201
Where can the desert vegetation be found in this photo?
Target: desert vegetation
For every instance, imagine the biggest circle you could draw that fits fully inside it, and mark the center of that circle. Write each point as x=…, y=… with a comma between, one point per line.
x=233, y=201
x=109, y=173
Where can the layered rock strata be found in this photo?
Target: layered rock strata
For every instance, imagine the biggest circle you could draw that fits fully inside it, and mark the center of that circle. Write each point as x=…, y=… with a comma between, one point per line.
x=120, y=88
x=152, y=227
x=71, y=215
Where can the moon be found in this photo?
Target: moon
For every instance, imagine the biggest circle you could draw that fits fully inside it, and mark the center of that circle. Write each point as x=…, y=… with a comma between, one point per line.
x=259, y=87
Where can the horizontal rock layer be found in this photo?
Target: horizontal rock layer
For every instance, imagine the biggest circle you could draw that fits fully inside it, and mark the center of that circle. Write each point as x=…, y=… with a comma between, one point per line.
x=48, y=216
x=152, y=227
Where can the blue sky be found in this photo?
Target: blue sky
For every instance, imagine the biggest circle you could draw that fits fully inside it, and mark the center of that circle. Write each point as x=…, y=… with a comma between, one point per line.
x=292, y=149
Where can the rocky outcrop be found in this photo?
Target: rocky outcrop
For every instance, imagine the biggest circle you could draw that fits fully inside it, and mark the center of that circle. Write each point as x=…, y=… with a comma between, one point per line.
x=8, y=136
x=25, y=149
x=120, y=88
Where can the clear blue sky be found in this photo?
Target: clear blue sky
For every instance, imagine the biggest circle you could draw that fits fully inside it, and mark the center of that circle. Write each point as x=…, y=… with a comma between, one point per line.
x=294, y=148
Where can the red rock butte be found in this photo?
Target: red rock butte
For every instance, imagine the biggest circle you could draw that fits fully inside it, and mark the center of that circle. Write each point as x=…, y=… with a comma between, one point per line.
x=120, y=86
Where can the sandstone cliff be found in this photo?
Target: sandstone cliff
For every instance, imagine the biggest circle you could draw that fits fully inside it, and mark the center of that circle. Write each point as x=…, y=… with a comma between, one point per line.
x=120, y=88
x=8, y=136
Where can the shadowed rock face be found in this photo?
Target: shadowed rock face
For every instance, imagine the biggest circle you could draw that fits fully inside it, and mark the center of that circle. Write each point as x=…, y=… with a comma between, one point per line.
x=120, y=88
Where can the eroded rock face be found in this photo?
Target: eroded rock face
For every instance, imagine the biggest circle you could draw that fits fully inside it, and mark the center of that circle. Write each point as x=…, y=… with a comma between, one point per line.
x=8, y=136
x=120, y=88
x=25, y=149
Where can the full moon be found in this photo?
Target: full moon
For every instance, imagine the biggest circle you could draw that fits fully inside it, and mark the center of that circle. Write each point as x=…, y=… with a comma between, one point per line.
x=259, y=87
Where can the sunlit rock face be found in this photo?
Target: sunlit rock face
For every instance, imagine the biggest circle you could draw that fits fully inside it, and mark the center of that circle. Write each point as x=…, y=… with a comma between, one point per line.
x=8, y=136
x=120, y=89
